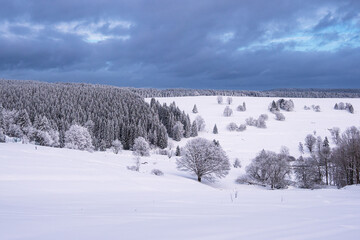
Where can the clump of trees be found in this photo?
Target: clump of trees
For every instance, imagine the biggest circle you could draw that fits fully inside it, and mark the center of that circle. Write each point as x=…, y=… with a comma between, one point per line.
x=324, y=165
x=270, y=169
x=227, y=111
x=234, y=127
x=286, y=105
x=344, y=106
x=205, y=159
x=316, y=108
x=241, y=108
x=259, y=123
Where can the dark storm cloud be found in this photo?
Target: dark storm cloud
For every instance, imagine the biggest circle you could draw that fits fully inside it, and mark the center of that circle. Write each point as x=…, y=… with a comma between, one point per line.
x=200, y=44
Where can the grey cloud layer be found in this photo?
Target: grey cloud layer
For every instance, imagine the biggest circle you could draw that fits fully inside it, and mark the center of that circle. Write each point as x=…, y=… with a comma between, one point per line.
x=201, y=44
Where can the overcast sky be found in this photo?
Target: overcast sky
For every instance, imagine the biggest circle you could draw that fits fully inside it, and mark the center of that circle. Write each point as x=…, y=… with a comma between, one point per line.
x=247, y=44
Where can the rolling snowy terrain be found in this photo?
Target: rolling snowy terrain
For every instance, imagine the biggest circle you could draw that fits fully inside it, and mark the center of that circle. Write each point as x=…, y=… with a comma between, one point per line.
x=51, y=193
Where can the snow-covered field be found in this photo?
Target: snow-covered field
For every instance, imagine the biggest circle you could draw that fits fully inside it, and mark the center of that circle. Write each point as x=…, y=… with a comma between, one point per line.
x=49, y=193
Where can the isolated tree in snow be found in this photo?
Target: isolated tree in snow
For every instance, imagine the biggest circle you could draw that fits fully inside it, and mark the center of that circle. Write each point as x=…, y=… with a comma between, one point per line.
x=141, y=147
x=194, y=129
x=237, y=163
x=229, y=100
x=220, y=99
x=203, y=158
x=195, y=109
x=227, y=111
x=117, y=146
x=78, y=137
x=215, y=130
x=200, y=122
x=279, y=116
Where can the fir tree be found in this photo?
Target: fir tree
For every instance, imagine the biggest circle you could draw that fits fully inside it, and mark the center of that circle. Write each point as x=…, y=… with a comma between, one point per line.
x=195, y=109
x=215, y=130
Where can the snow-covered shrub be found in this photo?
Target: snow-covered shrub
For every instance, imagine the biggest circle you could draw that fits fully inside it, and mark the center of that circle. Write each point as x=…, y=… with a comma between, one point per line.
x=241, y=128
x=261, y=123
x=316, y=108
x=237, y=163
x=287, y=105
x=157, y=172
x=220, y=99
x=270, y=168
x=227, y=111
x=200, y=123
x=229, y=100
x=232, y=127
x=195, y=109
x=116, y=146
x=132, y=168
x=141, y=147
x=264, y=116
x=279, y=116
x=251, y=121
x=243, y=179
x=241, y=108
x=306, y=108
x=78, y=137
x=205, y=159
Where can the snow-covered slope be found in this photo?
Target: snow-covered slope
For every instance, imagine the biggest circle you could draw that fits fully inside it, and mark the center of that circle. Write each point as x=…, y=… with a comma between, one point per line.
x=49, y=193
x=245, y=145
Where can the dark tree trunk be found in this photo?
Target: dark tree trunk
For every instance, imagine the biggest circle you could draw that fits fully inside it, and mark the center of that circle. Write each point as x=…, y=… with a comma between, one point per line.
x=199, y=179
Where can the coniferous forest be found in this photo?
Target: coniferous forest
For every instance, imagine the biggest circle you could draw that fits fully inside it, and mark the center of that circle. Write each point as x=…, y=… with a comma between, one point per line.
x=43, y=112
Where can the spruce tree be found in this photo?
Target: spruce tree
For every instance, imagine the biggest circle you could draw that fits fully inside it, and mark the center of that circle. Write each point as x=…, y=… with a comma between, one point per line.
x=215, y=130
x=195, y=109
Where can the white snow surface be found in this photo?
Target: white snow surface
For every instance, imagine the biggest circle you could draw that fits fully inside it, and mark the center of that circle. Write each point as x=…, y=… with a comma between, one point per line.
x=50, y=193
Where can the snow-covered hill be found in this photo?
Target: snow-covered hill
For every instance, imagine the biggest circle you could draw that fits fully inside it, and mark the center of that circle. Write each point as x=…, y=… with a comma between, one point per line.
x=50, y=193
x=245, y=145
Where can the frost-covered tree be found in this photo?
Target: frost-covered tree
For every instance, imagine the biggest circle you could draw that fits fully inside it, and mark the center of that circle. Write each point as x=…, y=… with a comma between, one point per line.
x=178, y=131
x=220, y=99
x=232, y=127
x=141, y=147
x=279, y=116
x=203, y=158
x=117, y=146
x=215, y=130
x=310, y=141
x=270, y=168
x=305, y=171
x=2, y=136
x=177, y=152
x=229, y=100
x=227, y=111
x=237, y=163
x=273, y=107
x=194, y=129
x=78, y=137
x=241, y=128
x=195, y=110
x=241, y=108
x=200, y=123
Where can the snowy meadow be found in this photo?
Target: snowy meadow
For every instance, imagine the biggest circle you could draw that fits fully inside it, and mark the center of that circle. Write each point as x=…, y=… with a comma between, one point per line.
x=59, y=193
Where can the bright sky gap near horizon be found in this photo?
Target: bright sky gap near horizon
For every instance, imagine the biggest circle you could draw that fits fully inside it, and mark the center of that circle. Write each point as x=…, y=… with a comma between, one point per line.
x=253, y=45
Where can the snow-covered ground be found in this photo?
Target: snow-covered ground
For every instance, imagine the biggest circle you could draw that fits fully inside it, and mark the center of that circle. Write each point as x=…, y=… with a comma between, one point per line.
x=49, y=193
